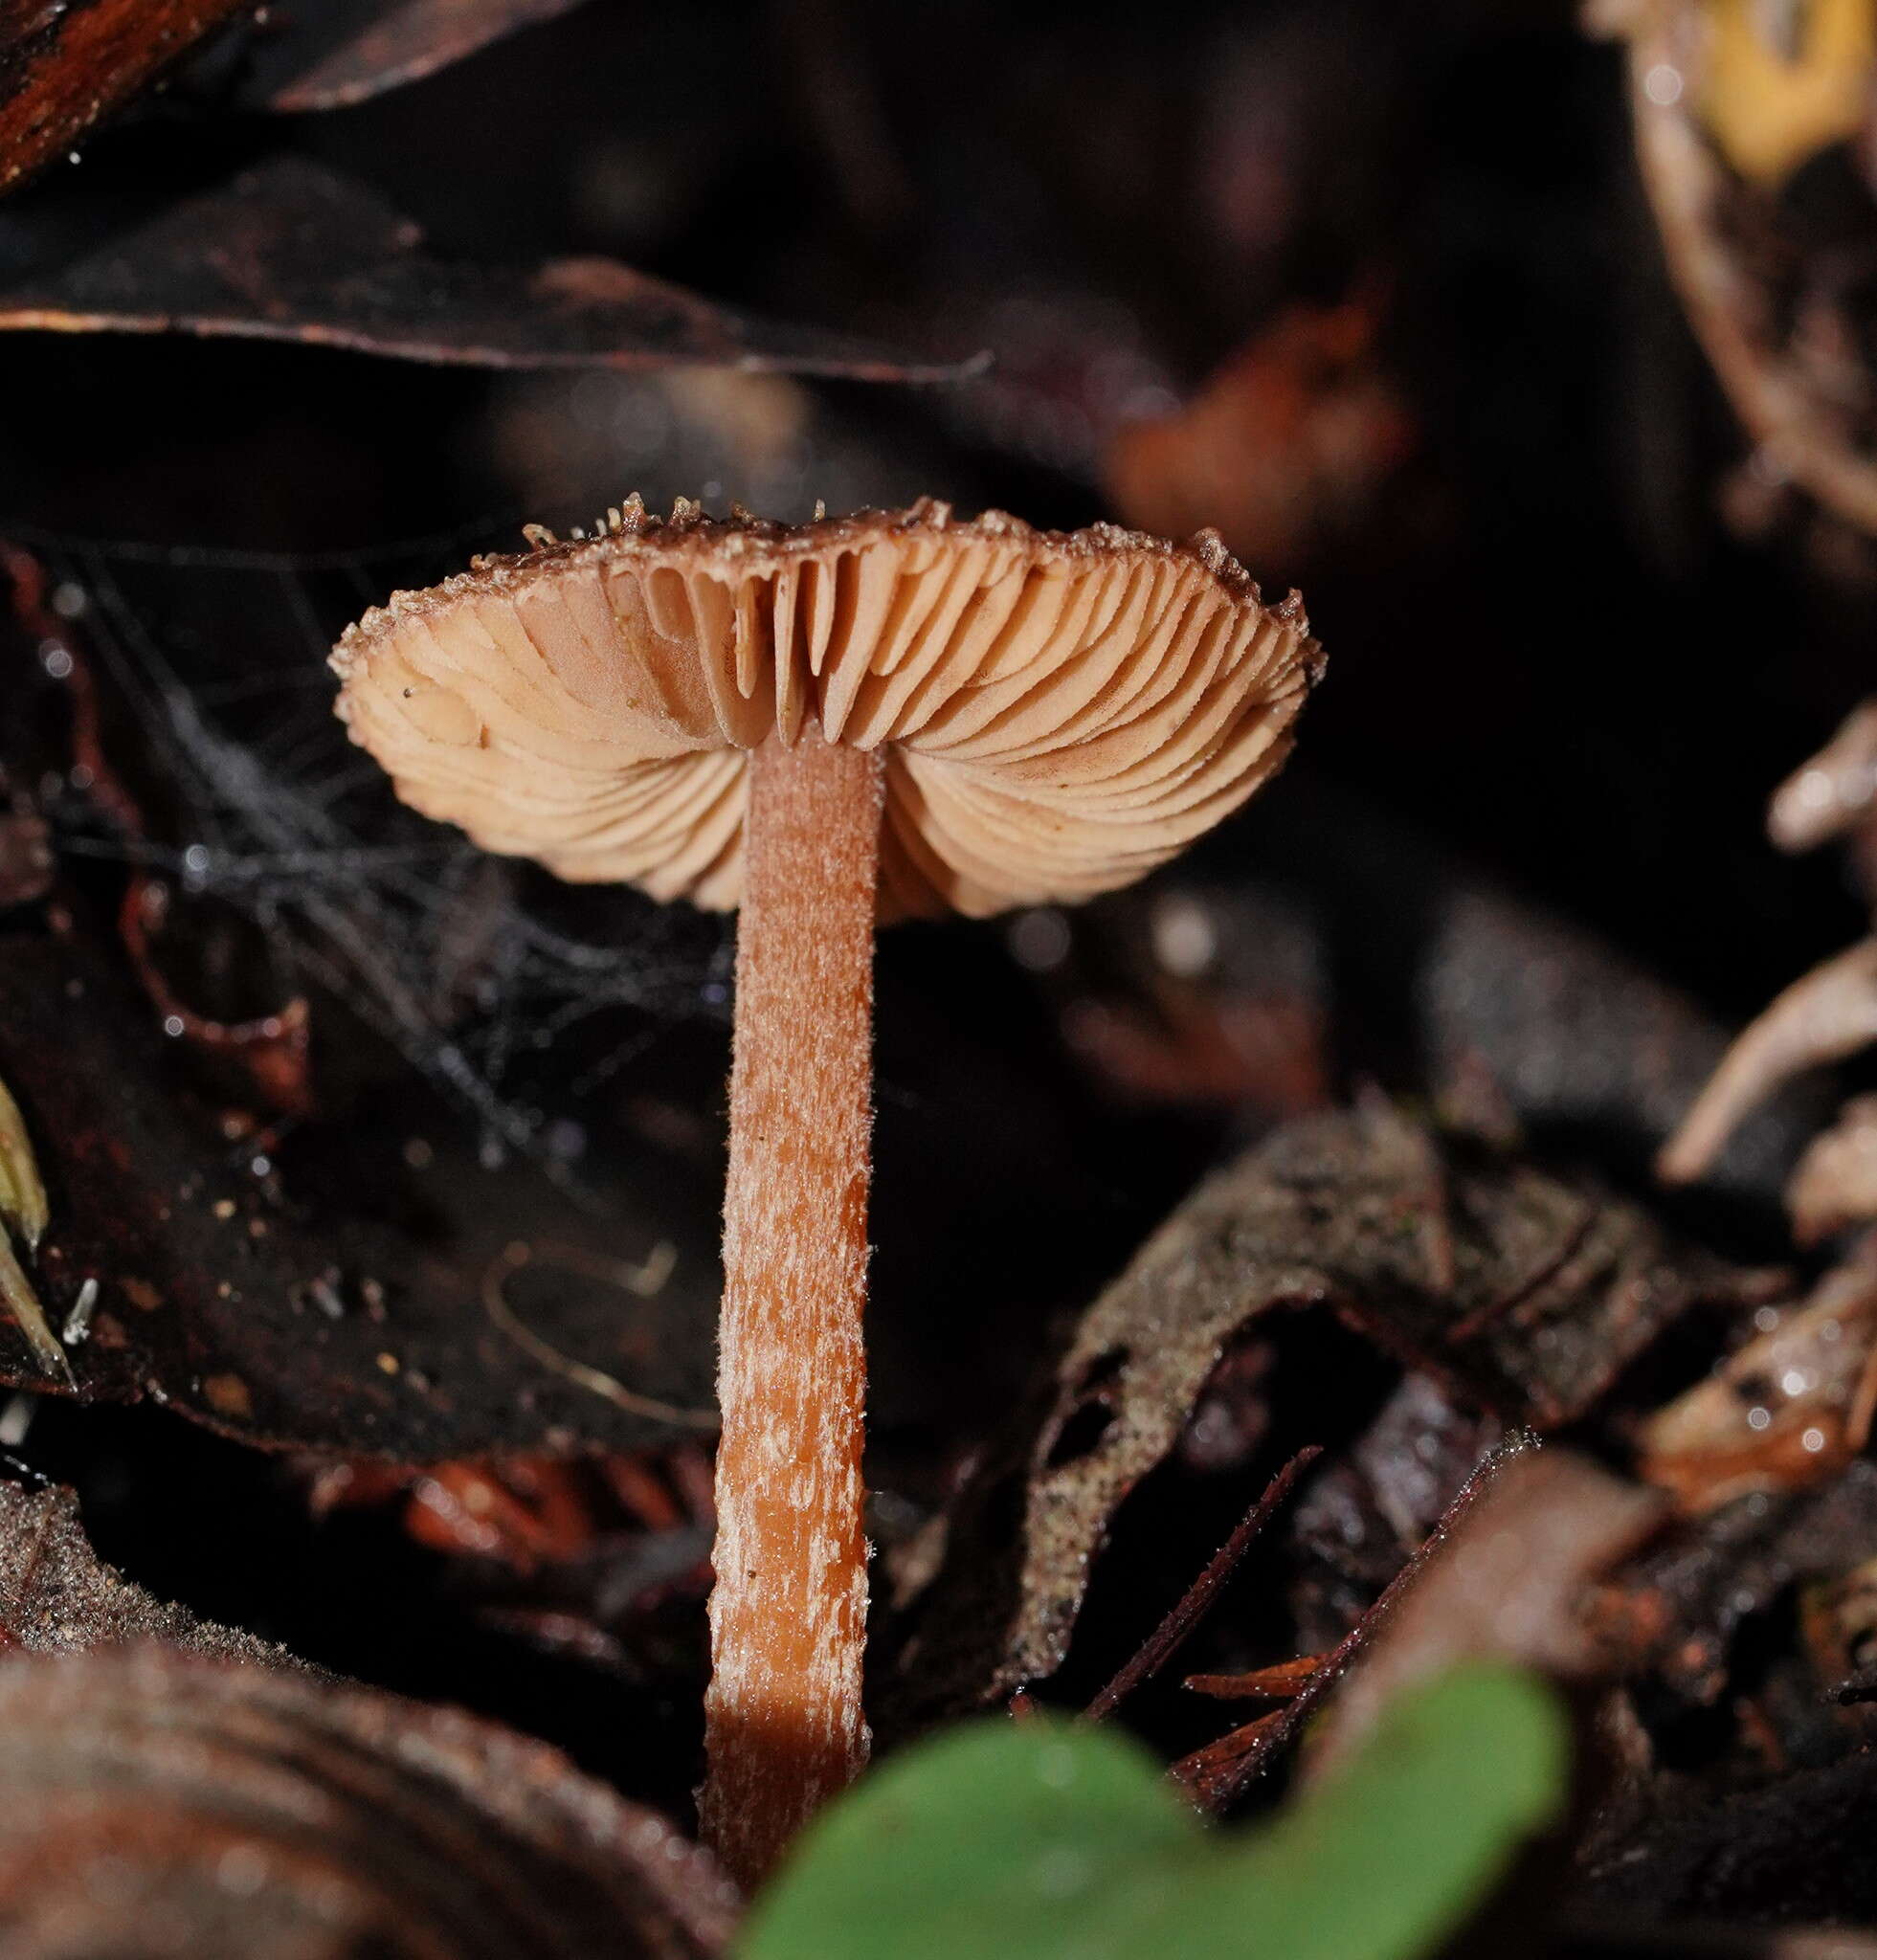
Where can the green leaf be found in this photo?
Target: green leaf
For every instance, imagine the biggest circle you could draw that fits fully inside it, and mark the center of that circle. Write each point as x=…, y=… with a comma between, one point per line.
x=1043, y=1839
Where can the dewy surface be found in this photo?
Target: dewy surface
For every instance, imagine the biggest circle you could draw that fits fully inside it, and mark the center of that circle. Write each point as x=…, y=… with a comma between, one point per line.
x=1061, y=713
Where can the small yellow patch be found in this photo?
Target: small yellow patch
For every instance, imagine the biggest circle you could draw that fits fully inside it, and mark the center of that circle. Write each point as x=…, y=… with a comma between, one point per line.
x=1770, y=107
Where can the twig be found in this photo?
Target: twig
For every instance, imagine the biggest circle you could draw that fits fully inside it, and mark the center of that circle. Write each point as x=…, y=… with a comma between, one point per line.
x=1166, y=1639
x=1220, y=1773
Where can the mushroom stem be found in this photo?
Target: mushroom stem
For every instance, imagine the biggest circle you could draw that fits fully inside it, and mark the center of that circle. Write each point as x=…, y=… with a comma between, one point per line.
x=787, y=1613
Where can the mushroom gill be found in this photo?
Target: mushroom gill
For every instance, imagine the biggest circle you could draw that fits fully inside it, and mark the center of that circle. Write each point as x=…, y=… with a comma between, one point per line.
x=1061, y=713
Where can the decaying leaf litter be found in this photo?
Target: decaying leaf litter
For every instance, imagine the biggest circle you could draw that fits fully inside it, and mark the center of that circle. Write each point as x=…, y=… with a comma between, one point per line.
x=1304, y=1190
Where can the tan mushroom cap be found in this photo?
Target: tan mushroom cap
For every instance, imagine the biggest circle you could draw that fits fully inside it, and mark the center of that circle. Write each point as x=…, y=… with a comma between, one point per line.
x=1061, y=713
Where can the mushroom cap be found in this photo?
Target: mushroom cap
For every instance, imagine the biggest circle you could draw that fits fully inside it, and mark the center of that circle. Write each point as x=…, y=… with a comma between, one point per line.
x=1060, y=712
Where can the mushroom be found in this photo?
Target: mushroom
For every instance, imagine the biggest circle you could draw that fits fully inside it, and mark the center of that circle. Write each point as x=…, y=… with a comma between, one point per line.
x=860, y=718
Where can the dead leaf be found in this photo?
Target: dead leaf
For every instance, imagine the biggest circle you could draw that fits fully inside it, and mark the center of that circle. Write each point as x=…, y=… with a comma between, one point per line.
x=1521, y=1292
x=334, y=52
x=357, y=1327
x=1789, y=1408
x=159, y=1803
x=1282, y=450
x=291, y=250
x=1797, y=1849
x=58, y=1596
x=149, y=1754
x=1682, y=1605
x=64, y=69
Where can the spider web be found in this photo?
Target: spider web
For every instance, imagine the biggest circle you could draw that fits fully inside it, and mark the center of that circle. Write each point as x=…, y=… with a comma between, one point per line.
x=518, y=997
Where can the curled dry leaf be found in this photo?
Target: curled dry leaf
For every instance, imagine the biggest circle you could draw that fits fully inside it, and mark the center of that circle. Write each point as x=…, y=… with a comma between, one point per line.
x=167, y=1805
x=344, y=52
x=179, y=1786
x=1791, y=1408
x=58, y=1596
x=1524, y=1294
x=291, y=250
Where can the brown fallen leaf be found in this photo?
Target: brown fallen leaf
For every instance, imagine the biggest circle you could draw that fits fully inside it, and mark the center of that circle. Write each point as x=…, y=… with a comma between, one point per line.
x=64, y=69
x=1284, y=448
x=336, y=52
x=1680, y=1609
x=166, y=1805
x=1521, y=1292
x=360, y=1329
x=291, y=250
x=1789, y=1408
x=150, y=1757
